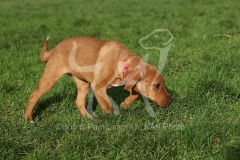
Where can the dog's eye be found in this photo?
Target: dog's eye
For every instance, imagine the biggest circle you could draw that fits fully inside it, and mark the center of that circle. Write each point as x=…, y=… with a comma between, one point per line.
x=157, y=85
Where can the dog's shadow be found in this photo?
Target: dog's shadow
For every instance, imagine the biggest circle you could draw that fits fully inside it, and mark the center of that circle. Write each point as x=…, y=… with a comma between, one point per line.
x=116, y=94
x=42, y=105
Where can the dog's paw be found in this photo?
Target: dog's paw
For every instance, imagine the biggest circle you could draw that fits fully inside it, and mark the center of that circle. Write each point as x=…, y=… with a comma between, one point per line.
x=90, y=116
x=108, y=110
x=124, y=105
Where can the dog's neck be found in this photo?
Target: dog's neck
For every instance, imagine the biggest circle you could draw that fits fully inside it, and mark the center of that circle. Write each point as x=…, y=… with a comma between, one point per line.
x=125, y=69
x=126, y=66
x=130, y=65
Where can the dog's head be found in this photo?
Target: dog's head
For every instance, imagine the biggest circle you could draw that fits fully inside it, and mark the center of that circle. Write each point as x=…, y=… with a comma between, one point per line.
x=147, y=81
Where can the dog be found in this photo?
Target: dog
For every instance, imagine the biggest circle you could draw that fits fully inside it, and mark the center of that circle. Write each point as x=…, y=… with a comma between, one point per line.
x=99, y=64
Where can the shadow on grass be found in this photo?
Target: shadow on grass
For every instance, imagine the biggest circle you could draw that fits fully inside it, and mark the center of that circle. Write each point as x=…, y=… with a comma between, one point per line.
x=42, y=105
x=218, y=89
x=118, y=94
x=233, y=152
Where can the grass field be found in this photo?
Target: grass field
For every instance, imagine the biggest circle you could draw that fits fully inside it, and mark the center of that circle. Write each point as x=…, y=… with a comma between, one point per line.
x=202, y=74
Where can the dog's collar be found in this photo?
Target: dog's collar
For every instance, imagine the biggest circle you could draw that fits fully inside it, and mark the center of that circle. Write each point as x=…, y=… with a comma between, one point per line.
x=125, y=69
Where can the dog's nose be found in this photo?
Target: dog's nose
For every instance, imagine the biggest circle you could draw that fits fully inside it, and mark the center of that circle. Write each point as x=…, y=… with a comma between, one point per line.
x=170, y=100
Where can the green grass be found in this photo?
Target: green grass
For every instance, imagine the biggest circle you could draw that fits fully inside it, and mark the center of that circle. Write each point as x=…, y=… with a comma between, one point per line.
x=201, y=73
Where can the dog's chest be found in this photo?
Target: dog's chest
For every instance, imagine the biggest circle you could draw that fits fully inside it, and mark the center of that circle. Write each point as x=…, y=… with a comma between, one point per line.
x=117, y=83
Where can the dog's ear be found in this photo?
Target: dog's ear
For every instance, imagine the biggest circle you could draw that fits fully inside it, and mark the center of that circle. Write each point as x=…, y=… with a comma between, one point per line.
x=133, y=78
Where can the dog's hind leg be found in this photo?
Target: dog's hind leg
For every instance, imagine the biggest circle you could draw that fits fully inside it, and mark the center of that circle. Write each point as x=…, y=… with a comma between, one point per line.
x=82, y=88
x=47, y=81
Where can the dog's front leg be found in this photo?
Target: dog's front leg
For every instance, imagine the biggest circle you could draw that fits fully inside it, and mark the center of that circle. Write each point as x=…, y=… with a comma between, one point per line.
x=129, y=100
x=100, y=93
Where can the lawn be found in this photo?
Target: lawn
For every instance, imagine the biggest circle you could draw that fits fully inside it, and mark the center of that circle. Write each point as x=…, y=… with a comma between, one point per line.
x=201, y=74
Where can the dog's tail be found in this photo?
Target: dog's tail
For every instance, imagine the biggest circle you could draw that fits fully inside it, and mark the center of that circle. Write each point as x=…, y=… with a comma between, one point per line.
x=45, y=54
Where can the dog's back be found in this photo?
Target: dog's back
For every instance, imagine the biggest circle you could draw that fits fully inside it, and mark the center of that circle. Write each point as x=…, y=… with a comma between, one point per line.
x=82, y=47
